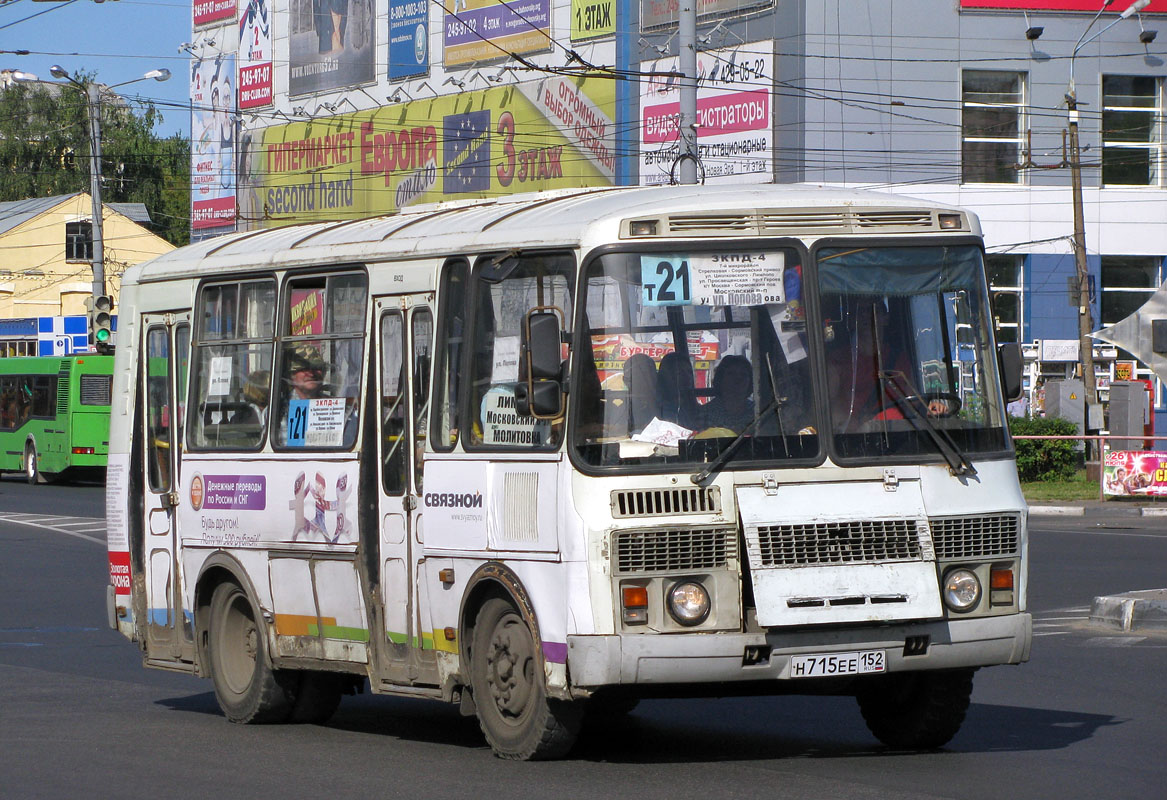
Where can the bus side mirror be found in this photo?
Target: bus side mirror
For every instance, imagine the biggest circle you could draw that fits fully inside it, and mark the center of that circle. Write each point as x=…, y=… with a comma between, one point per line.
x=1009, y=363
x=540, y=393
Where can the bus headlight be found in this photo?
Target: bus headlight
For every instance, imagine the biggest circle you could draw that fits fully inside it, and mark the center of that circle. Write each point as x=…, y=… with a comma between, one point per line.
x=689, y=603
x=962, y=589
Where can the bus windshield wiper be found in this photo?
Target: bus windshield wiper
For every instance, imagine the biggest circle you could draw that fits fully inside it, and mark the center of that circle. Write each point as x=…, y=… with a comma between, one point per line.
x=908, y=401
x=703, y=475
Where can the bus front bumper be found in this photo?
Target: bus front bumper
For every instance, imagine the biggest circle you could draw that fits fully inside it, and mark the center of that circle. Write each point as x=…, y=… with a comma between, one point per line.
x=595, y=661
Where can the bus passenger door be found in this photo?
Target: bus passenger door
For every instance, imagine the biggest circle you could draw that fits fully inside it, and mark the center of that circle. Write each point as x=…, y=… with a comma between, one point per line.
x=165, y=356
x=404, y=326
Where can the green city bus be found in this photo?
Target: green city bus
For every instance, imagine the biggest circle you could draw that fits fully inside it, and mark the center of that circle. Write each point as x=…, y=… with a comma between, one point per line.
x=54, y=415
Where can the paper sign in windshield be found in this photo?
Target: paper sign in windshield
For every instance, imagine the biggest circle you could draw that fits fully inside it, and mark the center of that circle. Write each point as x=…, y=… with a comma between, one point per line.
x=717, y=279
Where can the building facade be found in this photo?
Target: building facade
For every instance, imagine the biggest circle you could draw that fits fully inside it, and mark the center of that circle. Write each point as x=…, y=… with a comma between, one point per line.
x=335, y=109
x=46, y=252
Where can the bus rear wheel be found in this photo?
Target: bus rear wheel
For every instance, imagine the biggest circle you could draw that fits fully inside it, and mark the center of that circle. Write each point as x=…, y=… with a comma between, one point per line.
x=32, y=465
x=247, y=688
x=518, y=719
x=916, y=710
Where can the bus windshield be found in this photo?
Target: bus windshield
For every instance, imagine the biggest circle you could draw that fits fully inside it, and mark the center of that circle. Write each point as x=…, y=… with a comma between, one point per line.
x=908, y=352
x=685, y=352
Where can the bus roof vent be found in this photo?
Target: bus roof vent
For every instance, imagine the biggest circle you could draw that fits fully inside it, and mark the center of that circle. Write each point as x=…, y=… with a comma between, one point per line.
x=801, y=221
x=713, y=224
x=905, y=218
x=666, y=502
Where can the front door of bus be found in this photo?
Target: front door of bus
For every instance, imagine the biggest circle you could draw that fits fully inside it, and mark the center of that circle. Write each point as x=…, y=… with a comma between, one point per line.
x=405, y=333
x=165, y=355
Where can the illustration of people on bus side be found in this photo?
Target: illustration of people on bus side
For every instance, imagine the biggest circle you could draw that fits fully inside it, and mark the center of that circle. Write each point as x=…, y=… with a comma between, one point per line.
x=310, y=518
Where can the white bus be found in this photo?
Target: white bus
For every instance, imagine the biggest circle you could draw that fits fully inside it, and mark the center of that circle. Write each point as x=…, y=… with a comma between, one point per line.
x=545, y=456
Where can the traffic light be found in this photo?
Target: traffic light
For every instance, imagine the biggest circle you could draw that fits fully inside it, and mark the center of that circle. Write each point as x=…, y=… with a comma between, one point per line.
x=101, y=322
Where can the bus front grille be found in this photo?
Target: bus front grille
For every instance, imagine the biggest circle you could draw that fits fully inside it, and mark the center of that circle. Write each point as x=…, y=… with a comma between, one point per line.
x=975, y=537
x=680, y=550
x=665, y=502
x=852, y=542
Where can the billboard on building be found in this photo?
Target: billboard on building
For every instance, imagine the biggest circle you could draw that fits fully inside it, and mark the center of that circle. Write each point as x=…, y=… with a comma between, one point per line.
x=255, y=54
x=549, y=134
x=734, y=115
x=591, y=19
x=487, y=30
x=1092, y=6
x=212, y=131
x=409, y=37
x=332, y=44
x=663, y=13
x=204, y=12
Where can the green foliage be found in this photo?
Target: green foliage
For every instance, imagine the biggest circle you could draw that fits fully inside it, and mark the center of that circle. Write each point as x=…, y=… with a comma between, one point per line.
x=1044, y=459
x=44, y=151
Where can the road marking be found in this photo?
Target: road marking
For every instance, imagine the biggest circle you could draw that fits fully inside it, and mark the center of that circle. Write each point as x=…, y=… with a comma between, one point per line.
x=36, y=521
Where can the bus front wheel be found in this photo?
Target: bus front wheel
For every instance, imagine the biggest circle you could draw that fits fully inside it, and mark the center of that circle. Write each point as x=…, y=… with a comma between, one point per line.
x=518, y=719
x=916, y=710
x=247, y=688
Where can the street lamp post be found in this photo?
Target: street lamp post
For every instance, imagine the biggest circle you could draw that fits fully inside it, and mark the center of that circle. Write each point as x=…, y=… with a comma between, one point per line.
x=1085, y=322
x=93, y=110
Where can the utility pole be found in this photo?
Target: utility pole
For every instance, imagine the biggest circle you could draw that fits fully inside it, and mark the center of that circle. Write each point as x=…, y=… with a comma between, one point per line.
x=687, y=64
x=93, y=109
x=1085, y=319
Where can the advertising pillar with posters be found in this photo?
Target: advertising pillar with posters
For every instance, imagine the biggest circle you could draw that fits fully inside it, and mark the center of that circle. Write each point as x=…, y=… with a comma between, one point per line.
x=212, y=129
x=255, y=65
x=734, y=115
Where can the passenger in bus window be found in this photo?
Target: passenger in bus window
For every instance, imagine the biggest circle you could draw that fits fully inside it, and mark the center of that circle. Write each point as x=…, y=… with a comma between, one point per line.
x=732, y=406
x=255, y=394
x=640, y=381
x=675, y=392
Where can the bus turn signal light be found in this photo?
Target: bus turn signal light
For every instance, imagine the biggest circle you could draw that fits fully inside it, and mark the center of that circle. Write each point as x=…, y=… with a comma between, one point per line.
x=1001, y=578
x=83, y=451
x=635, y=602
x=1001, y=586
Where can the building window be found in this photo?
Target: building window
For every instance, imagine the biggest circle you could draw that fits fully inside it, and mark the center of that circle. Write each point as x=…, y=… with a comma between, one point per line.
x=1132, y=131
x=78, y=241
x=1127, y=283
x=991, y=125
x=1006, y=288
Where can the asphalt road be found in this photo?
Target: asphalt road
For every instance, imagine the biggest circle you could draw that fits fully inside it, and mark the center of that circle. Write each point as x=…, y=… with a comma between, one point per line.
x=80, y=716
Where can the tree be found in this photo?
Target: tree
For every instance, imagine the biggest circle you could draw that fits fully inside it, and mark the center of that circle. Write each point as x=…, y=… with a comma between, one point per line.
x=44, y=151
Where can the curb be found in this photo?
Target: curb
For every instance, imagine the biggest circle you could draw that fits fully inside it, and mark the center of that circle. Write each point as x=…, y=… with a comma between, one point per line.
x=1097, y=511
x=1131, y=611
x=1057, y=511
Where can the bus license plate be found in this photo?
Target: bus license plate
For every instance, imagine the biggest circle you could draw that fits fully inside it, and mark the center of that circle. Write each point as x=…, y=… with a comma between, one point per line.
x=829, y=664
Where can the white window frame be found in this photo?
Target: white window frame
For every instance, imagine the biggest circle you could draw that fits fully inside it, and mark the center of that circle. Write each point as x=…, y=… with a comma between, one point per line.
x=1154, y=143
x=1020, y=106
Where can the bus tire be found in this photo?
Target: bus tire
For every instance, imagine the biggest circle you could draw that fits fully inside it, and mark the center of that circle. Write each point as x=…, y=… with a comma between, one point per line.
x=32, y=472
x=247, y=688
x=506, y=673
x=317, y=697
x=916, y=710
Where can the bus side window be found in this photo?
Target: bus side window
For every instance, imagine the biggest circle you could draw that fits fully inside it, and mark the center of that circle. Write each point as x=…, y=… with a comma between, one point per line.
x=232, y=349
x=421, y=339
x=322, y=347
x=505, y=290
x=447, y=375
x=393, y=404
